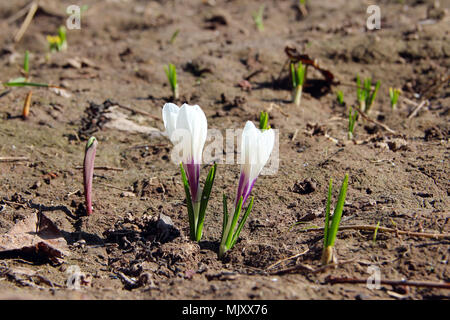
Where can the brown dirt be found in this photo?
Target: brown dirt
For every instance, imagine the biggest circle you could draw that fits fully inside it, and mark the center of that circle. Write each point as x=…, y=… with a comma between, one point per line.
x=400, y=180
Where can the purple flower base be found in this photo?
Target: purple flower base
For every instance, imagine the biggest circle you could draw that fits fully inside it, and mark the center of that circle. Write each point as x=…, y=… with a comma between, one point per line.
x=244, y=189
x=193, y=176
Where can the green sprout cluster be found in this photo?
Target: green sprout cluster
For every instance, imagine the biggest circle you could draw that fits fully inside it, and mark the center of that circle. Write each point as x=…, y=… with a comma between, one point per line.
x=331, y=229
x=58, y=42
x=171, y=73
x=298, y=75
x=365, y=95
x=258, y=18
x=340, y=97
x=394, y=94
x=263, y=120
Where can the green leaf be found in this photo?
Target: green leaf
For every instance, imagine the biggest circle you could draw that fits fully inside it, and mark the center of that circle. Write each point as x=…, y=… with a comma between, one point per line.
x=171, y=73
x=90, y=142
x=225, y=215
x=375, y=232
x=263, y=120
x=337, y=215
x=174, y=36
x=293, y=76
x=204, y=200
x=327, y=215
x=340, y=97
x=301, y=70
x=237, y=212
x=189, y=203
x=374, y=94
x=241, y=224
x=16, y=83
x=26, y=62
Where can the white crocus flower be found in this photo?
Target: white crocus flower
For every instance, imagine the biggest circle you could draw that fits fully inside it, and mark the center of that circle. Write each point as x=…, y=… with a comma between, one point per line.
x=187, y=126
x=256, y=147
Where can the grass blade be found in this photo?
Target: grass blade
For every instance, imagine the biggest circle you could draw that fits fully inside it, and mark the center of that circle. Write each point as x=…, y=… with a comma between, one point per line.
x=26, y=62
x=225, y=214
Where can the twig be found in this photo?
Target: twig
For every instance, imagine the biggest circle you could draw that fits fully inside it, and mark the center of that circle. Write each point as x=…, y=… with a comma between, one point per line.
x=72, y=193
x=33, y=8
x=303, y=10
x=306, y=268
x=417, y=109
x=392, y=230
x=434, y=87
x=111, y=186
x=102, y=168
x=441, y=285
x=19, y=14
x=141, y=146
x=294, y=135
x=274, y=105
x=14, y=203
x=254, y=73
x=297, y=267
x=139, y=112
x=286, y=259
x=13, y=159
x=385, y=127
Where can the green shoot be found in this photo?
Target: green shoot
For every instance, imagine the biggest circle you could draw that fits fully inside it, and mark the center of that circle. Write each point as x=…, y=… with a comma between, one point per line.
x=394, y=94
x=26, y=63
x=174, y=36
x=171, y=73
x=263, y=120
x=330, y=230
x=258, y=18
x=230, y=234
x=340, y=97
x=298, y=75
x=352, y=117
x=375, y=232
x=365, y=95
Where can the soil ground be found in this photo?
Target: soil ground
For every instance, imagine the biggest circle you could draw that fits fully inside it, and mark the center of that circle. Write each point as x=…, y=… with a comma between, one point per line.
x=399, y=179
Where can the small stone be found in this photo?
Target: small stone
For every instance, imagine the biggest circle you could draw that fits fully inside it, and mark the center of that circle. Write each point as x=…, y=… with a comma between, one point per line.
x=127, y=194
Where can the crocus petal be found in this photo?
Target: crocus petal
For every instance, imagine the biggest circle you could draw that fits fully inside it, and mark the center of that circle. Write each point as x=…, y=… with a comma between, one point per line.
x=256, y=147
x=193, y=119
x=170, y=114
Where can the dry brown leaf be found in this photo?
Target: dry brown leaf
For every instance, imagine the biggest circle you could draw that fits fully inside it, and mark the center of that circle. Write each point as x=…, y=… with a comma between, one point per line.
x=35, y=234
